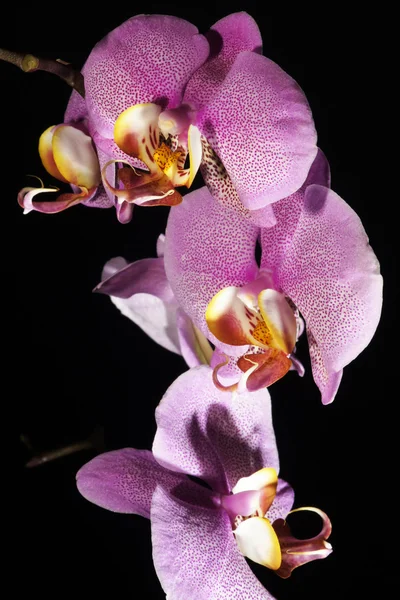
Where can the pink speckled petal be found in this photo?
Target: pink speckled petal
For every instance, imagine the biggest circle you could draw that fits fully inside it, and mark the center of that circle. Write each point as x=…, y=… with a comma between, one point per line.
x=195, y=553
x=218, y=437
x=222, y=189
x=276, y=241
x=99, y=200
x=149, y=58
x=76, y=109
x=141, y=292
x=124, y=480
x=207, y=248
x=227, y=38
x=332, y=275
x=260, y=125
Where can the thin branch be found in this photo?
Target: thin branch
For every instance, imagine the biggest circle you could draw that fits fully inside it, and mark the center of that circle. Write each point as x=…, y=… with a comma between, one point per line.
x=45, y=457
x=29, y=63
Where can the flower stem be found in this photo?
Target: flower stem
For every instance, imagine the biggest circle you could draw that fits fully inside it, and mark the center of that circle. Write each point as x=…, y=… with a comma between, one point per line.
x=29, y=63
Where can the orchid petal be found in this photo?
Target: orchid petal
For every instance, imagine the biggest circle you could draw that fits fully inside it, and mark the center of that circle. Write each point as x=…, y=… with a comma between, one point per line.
x=249, y=293
x=243, y=504
x=218, y=437
x=64, y=201
x=124, y=212
x=141, y=292
x=332, y=275
x=222, y=189
x=230, y=372
x=265, y=481
x=260, y=126
x=142, y=188
x=124, y=480
x=264, y=369
x=227, y=38
x=75, y=156
x=279, y=318
x=174, y=50
x=258, y=541
x=231, y=321
x=143, y=276
x=76, y=109
x=200, y=258
x=46, y=154
x=296, y=553
x=137, y=133
x=194, y=550
x=276, y=241
x=194, y=346
x=195, y=152
x=256, y=481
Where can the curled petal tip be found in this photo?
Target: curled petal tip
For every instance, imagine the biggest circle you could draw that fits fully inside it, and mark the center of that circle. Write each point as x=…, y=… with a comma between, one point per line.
x=296, y=553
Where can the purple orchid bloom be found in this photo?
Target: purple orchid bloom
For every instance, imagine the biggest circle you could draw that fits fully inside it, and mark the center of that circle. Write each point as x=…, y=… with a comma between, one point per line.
x=141, y=291
x=200, y=534
x=315, y=260
x=213, y=98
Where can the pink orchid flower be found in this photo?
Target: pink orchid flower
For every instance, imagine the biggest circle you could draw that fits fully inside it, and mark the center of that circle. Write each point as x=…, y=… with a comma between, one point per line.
x=200, y=534
x=141, y=291
x=157, y=92
x=316, y=260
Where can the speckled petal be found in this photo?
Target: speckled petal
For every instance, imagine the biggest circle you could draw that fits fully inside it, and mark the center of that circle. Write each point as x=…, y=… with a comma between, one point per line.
x=149, y=58
x=227, y=38
x=218, y=437
x=332, y=275
x=141, y=292
x=76, y=109
x=260, y=126
x=208, y=247
x=195, y=553
x=124, y=480
x=276, y=241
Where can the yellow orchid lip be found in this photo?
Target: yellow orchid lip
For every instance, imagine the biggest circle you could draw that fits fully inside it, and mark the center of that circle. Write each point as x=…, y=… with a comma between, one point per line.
x=137, y=132
x=263, y=320
x=257, y=540
x=67, y=153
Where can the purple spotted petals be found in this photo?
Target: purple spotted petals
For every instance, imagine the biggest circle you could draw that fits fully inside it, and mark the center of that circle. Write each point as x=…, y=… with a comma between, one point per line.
x=315, y=260
x=229, y=443
x=212, y=98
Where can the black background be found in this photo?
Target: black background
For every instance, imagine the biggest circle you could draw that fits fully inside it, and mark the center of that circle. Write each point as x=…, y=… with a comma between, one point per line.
x=77, y=363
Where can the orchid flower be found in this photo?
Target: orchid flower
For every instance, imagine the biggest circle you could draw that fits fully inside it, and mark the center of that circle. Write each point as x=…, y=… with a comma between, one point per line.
x=157, y=92
x=200, y=534
x=67, y=153
x=141, y=292
x=315, y=260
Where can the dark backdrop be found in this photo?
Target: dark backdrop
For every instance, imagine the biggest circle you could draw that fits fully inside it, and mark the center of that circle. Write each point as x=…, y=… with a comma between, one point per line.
x=78, y=364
